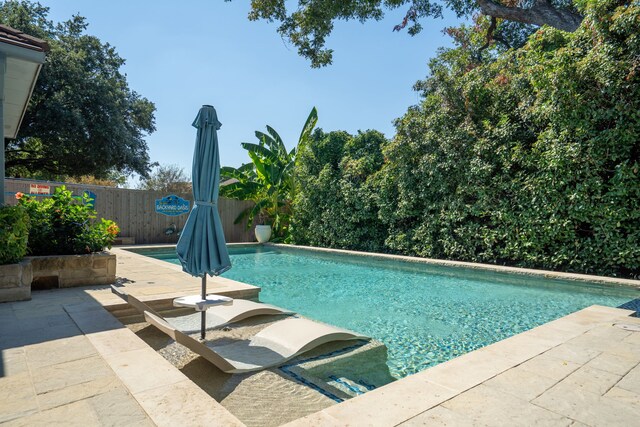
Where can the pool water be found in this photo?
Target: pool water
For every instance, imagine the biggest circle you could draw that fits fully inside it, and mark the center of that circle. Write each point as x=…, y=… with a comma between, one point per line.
x=423, y=318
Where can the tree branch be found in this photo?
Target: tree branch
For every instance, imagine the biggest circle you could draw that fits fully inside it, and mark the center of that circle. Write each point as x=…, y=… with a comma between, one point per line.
x=542, y=13
x=489, y=35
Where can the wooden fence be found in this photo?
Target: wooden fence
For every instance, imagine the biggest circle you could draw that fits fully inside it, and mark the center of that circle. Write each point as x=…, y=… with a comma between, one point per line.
x=134, y=210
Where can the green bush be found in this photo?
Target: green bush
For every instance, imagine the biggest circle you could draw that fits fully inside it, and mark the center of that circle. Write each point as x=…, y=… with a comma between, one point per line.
x=61, y=225
x=336, y=205
x=14, y=234
x=529, y=160
x=530, y=157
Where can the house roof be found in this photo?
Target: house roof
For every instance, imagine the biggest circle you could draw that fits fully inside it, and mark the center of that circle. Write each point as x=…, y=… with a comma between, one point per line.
x=23, y=56
x=18, y=38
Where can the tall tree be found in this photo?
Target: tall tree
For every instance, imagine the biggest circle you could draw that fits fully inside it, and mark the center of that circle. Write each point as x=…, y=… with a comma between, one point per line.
x=82, y=119
x=168, y=179
x=310, y=22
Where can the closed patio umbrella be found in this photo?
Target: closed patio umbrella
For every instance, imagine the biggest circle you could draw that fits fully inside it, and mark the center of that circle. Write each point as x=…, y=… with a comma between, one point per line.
x=202, y=248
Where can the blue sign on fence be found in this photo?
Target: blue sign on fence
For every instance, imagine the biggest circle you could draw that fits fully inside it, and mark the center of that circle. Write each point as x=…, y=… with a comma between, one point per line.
x=172, y=206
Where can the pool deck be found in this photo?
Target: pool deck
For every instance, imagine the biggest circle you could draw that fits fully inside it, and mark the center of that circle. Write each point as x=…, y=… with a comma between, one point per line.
x=66, y=359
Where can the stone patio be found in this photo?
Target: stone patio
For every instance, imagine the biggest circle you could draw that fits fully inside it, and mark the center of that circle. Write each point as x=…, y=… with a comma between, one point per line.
x=67, y=360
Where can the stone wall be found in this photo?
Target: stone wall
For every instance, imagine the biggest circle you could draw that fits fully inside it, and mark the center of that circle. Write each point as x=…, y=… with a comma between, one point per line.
x=66, y=271
x=15, y=281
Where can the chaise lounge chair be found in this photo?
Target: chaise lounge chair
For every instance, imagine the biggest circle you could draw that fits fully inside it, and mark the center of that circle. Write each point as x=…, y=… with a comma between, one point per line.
x=272, y=346
x=217, y=317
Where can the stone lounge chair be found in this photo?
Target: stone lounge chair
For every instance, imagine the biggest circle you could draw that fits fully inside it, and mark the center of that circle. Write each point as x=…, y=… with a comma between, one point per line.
x=217, y=317
x=273, y=346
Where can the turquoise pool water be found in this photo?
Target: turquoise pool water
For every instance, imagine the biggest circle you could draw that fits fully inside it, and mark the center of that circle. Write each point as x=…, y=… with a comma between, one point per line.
x=424, y=315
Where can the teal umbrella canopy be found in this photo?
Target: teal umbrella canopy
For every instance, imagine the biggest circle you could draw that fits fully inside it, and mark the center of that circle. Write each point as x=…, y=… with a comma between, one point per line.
x=202, y=248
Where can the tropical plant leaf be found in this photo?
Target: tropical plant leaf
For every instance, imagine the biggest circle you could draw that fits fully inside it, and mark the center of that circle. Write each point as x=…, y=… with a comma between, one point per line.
x=308, y=126
x=264, y=152
x=279, y=144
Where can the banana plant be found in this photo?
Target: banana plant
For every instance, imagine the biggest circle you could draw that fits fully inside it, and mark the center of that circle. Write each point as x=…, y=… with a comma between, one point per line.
x=268, y=181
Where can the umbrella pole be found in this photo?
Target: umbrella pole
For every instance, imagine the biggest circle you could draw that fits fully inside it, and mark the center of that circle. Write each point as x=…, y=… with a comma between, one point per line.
x=203, y=315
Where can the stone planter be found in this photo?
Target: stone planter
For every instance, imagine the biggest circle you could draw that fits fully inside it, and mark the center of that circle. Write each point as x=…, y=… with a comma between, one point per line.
x=66, y=271
x=263, y=233
x=15, y=281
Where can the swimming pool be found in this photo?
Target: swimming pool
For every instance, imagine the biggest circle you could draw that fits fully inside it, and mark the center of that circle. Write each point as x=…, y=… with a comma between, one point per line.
x=424, y=314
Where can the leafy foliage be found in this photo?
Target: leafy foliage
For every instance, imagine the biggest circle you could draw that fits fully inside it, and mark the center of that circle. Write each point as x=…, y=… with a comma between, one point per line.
x=336, y=202
x=170, y=179
x=82, y=118
x=268, y=180
x=310, y=22
x=62, y=226
x=14, y=234
x=532, y=160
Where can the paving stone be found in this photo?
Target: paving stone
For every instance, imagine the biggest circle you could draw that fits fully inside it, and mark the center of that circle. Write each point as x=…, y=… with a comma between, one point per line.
x=142, y=370
x=521, y=383
x=76, y=414
x=59, y=351
x=54, y=377
x=613, y=363
x=73, y=393
x=486, y=405
x=624, y=396
x=602, y=344
x=520, y=348
x=95, y=320
x=116, y=341
x=17, y=397
x=573, y=353
x=631, y=380
x=391, y=404
x=467, y=371
x=319, y=419
x=634, y=338
x=593, y=380
x=440, y=416
x=558, y=331
x=587, y=407
x=609, y=333
x=36, y=312
x=48, y=333
x=12, y=362
x=7, y=318
x=118, y=407
x=184, y=403
x=550, y=367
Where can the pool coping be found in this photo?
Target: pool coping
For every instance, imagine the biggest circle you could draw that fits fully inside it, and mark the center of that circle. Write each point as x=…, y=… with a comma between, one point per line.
x=520, y=271
x=468, y=266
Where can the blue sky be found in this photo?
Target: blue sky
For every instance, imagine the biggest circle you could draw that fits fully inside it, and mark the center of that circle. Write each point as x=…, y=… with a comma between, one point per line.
x=181, y=55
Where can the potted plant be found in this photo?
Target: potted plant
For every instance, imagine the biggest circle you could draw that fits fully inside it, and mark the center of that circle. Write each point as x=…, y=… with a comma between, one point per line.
x=262, y=231
x=268, y=181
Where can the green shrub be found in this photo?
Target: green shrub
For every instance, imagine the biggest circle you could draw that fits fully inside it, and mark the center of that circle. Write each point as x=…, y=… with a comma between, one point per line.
x=14, y=234
x=61, y=225
x=531, y=158
x=336, y=204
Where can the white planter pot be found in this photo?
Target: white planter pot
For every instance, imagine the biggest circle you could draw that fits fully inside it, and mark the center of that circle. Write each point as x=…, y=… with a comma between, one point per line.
x=263, y=233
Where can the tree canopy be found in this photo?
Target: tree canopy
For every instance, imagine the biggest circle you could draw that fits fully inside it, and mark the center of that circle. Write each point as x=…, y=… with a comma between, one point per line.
x=83, y=119
x=308, y=24
x=170, y=179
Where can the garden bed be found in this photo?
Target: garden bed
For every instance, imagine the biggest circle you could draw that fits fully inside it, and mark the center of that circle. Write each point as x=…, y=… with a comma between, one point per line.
x=66, y=271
